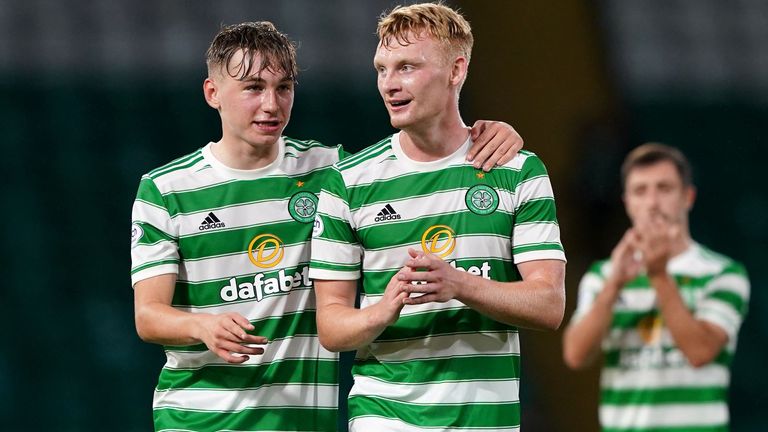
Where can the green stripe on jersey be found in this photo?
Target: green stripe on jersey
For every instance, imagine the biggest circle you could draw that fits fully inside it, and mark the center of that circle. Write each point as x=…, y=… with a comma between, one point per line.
x=466, y=415
x=682, y=428
x=289, y=371
x=499, y=367
x=653, y=396
x=209, y=244
x=252, y=419
x=230, y=194
x=443, y=322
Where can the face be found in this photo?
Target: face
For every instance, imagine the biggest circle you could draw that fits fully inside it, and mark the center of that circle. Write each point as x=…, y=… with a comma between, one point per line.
x=416, y=82
x=657, y=190
x=254, y=110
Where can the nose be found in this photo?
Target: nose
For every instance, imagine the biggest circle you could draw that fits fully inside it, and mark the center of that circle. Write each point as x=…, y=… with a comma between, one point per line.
x=269, y=101
x=388, y=83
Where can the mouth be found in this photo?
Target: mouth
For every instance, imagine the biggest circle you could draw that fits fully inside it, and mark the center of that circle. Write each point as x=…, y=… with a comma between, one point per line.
x=398, y=104
x=268, y=125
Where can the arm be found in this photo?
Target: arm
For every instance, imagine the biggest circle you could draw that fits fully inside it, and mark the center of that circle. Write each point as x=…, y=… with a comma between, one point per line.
x=158, y=322
x=582, y=338
x=538, y=301
x=341, y=326
x=494, y=143
x=700, y=341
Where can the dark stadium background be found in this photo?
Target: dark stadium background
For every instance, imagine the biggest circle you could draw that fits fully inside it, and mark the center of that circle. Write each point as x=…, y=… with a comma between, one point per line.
x=95, y=93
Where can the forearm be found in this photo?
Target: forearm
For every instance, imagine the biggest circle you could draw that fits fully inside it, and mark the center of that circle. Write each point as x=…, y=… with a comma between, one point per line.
x=531, y=304
x=697, y=340
x=582, y=338
x=346, y=328
x=162, y=324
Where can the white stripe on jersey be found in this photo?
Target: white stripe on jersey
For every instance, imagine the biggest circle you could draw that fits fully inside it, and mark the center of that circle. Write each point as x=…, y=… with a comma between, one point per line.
x=373, y=423
x=270, y=395
x=660, y=416
x=536, y=233
x=158, y=217
x=454, y=392
x=711, y=375
x=532, y=189
x=297, y=347
x=301, y=299
x=467, y=247
x=225, y=267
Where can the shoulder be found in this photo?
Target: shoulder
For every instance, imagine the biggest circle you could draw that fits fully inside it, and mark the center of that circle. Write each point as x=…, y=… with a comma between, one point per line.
x=177, y=165
x=717, y=263
x=366, y=157
x=312, y=152
x=165, y=176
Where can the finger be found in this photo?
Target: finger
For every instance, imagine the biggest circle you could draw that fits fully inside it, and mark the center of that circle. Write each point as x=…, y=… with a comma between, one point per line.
x=477, y=129
x=249, y=349
x=414, y=253
x=426, y=298
x=510, y=154
x=421, y=288
x=242, y=321
x=417, y=276
x=231, y=358
x=253, y=339
x=499, y=148
x=420, y=264
x=487, y=153
x=478, y=149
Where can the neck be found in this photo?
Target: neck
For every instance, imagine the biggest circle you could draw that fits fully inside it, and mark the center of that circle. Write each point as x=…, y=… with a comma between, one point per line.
x=426, y=143
x=682, y=243
x=244, y=156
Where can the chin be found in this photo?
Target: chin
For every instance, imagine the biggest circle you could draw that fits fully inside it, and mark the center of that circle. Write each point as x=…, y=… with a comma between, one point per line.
x=399, y=123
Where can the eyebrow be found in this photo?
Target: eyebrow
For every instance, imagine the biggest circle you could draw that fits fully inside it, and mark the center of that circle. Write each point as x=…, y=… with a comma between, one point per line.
x=260, y=80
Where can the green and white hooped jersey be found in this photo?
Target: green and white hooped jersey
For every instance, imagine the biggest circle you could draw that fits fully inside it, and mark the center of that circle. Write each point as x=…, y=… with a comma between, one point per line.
x=441, y=366
x=646, y=383
x=239, y=242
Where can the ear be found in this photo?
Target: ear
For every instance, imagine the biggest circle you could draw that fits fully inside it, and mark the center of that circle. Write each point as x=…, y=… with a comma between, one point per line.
x=459, y=70
x=690, y=197
x=211, y=93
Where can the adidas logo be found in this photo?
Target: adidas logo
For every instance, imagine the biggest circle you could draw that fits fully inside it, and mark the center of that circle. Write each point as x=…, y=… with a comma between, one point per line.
x=387, y=213
x=211, y=222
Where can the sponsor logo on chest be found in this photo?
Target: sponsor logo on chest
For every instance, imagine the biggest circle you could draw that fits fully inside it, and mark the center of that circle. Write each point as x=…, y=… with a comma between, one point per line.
x=265, y=251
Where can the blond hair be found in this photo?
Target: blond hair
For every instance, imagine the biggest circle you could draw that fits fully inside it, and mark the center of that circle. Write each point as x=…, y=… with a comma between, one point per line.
x=433, y=19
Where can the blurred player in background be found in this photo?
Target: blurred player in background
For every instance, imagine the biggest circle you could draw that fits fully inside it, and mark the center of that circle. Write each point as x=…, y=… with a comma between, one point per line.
x=483, y=248
x=220, y=253
x=664, y=310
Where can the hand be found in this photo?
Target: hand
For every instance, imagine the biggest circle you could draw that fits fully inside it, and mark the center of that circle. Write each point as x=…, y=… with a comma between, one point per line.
x=625, y=260
x=388, y=308
x=493, y=143
x=226, y=336
x=443, y=282
x=656, y=239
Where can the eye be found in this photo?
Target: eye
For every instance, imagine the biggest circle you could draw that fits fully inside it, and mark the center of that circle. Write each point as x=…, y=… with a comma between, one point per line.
x=285, y=88
x=407, y=68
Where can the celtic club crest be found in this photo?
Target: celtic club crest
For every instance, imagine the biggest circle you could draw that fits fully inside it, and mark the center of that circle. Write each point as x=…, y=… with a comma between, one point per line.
x=482, y=199
x=303, y=206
